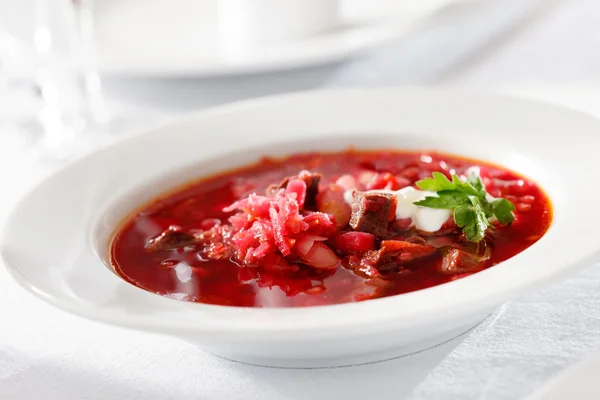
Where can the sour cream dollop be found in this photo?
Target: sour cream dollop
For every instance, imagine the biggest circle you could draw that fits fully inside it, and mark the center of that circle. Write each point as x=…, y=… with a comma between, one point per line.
x=423, y=218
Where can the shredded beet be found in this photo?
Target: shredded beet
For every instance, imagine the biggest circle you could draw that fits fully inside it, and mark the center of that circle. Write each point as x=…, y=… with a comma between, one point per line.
x=297, y=187
x=276, y=226
x=311, y=182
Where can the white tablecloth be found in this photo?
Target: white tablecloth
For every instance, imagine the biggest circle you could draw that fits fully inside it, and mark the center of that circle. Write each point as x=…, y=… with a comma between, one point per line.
x=48, y=354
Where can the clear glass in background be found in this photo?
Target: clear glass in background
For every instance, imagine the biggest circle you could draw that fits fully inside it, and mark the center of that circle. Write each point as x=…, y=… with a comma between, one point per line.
x=49, y=89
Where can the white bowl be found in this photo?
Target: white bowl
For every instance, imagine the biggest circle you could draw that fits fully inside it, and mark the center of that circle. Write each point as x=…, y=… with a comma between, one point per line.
x=55, y=241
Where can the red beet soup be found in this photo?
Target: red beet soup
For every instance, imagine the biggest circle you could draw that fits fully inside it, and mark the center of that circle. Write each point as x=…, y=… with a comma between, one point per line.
x=328, y=228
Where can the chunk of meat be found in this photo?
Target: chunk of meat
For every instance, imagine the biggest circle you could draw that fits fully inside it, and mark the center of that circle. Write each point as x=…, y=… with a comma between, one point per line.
x=395, y=252
x=371, y=212
x=458, y=262
x=311, y=180
x=171, y=239
x=272, y=190
x=410, y=239
x=467, y=258
x=312, y=187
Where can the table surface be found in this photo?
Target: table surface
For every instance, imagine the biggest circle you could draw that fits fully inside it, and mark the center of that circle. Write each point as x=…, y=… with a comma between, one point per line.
x=47, y=353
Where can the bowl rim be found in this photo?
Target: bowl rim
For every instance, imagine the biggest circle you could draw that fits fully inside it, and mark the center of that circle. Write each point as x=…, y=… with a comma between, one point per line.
x=422, y=307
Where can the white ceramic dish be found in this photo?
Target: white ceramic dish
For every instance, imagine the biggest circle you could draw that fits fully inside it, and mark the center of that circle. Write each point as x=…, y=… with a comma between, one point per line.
x=55, y=241
x=195, y=44
x=361, y=11
x=263, y=22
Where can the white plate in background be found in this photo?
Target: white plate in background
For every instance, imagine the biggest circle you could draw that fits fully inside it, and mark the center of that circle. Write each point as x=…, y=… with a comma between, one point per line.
x=151, y=38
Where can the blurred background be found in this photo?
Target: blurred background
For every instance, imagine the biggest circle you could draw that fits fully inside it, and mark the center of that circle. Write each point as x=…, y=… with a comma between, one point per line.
x=76, y=75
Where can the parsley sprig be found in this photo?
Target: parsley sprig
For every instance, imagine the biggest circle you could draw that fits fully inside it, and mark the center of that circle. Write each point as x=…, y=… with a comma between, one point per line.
x=469, y=202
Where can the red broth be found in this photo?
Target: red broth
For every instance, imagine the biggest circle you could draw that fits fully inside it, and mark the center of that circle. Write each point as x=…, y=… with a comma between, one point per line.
x=184, y=274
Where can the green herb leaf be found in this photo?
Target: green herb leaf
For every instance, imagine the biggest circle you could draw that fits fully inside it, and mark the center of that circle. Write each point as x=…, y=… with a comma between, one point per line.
x=463, y=216
x=473, y=222
x=482, y=203
x=475, y=181
x=468, y=199
x=464, y=187
x=437, y=183
x=503, y=210
x=447, y=200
